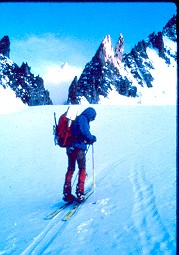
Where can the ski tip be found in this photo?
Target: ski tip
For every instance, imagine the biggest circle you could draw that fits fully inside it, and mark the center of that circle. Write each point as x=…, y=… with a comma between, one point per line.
x=47, y=218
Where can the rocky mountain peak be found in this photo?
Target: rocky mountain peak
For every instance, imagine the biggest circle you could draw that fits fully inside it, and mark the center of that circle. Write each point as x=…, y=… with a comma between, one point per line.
x=64, y=65
x=169, y=29
x=105, y=51
x=106, y=54
x=27, y=87
x=119, y=48
x=5, y=46
x=25, y=69
x=125, y=74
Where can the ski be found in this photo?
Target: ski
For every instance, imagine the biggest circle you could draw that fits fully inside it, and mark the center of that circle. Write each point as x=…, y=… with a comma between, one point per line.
x=77, y=205
x=52, y=215
x=65, y=205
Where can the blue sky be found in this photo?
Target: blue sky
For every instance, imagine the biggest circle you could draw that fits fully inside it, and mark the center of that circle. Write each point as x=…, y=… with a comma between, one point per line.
x=47, y=34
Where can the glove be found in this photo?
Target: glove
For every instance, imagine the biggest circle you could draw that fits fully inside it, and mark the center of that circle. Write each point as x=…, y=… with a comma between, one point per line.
x=93, y=140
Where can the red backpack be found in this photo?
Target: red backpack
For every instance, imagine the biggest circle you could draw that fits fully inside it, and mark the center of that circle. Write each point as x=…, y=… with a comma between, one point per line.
x=63, y=131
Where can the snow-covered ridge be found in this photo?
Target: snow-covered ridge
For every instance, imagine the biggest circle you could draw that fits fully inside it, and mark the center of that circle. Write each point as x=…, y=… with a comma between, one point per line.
x=9, y=102
x=28, y=88
x=109, y=78
x=136, y=74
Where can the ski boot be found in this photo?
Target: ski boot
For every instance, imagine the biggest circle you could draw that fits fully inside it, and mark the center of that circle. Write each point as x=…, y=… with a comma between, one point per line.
x=69, y=198
x=80, y=197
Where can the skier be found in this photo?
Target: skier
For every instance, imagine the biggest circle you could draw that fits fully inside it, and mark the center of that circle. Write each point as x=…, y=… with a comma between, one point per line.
x=77, y=153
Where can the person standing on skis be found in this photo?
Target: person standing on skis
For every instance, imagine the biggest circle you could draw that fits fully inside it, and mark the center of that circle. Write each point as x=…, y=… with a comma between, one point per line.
x=77, y=153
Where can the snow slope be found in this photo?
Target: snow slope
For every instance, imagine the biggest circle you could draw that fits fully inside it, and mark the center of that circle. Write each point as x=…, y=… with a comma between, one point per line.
x=135, y=166
x=164, y=88
x=9, y=102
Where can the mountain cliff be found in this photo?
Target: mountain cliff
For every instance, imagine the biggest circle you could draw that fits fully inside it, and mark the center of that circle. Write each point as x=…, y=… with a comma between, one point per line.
x=126, y=74
x=146, y=74
x=27, y=87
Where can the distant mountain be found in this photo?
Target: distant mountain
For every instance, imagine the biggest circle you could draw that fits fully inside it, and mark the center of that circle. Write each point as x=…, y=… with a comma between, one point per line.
x=147, y=74
x=128, y=74
x=27, y=87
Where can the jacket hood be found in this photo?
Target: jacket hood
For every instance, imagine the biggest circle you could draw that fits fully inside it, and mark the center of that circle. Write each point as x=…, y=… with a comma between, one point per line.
x=90, y=113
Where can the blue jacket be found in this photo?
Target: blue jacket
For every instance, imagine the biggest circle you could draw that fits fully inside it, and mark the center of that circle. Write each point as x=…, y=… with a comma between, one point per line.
x=81, y=129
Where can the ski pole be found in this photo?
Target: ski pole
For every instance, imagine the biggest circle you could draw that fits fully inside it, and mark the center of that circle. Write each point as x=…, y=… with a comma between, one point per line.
x=94, y=181
x=74, y=180
x=87, y=149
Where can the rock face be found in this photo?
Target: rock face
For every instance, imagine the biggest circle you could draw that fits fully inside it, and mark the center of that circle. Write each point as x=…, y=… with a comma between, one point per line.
x=124, y=73
x=5, y=46
x=99, y=75
x=20, y=79
x=119, y=49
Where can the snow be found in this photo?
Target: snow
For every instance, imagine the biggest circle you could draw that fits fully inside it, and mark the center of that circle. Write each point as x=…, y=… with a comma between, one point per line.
x=170, y=45
x=135, y=195
x=114, y=98
x=9, y=102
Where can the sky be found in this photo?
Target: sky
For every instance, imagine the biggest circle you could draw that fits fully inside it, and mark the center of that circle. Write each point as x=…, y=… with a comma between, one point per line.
x=47, y=35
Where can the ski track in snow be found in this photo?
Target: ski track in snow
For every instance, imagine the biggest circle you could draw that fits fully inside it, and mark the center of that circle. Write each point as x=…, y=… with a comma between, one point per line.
x=154, y=236
x=46, y=237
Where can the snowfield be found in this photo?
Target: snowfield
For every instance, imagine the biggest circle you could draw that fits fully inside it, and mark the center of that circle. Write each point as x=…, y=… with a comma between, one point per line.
x=135, y=167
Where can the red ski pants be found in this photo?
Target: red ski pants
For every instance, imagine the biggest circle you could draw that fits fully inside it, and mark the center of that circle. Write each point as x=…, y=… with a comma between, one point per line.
x=74, y=156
